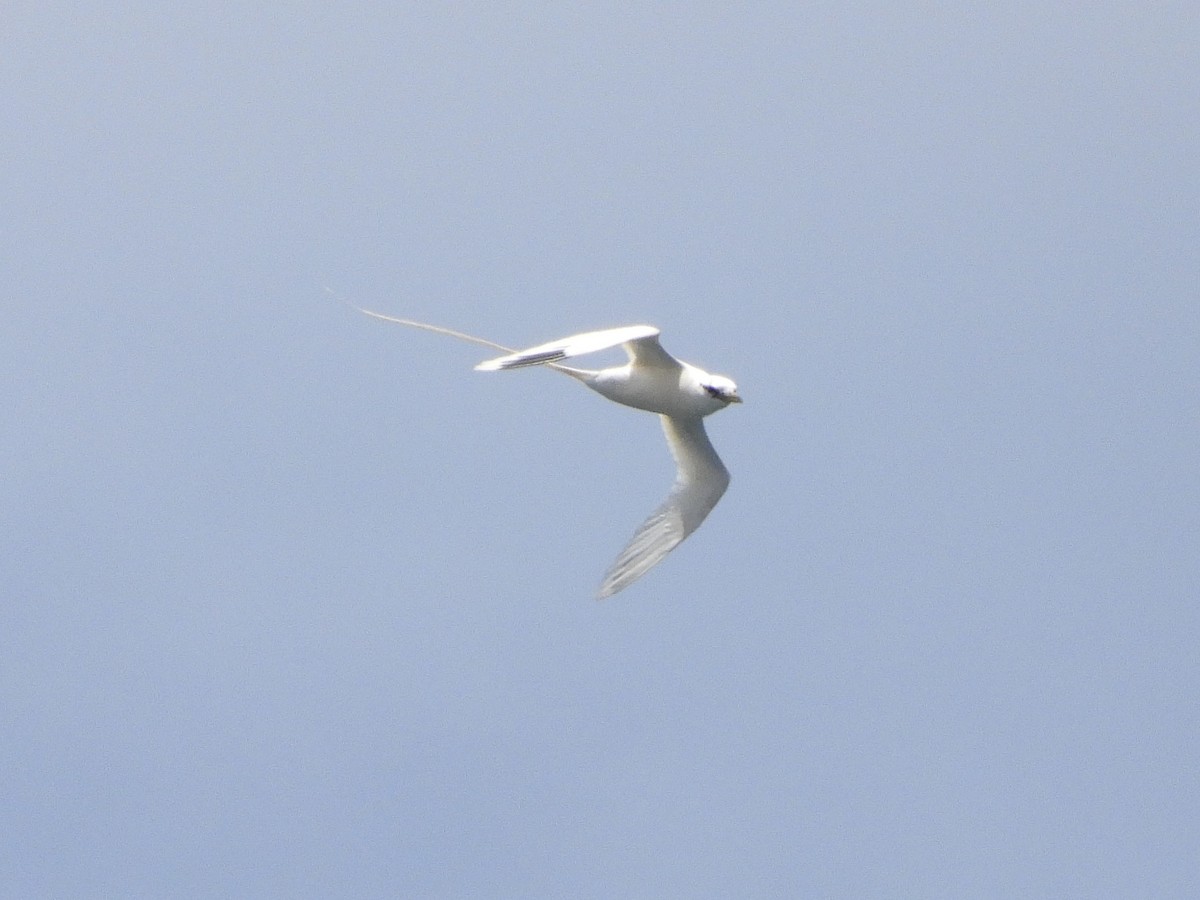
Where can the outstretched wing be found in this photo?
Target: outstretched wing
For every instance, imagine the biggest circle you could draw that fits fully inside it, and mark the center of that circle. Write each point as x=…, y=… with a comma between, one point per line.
x=641, y=342
x=700, y=481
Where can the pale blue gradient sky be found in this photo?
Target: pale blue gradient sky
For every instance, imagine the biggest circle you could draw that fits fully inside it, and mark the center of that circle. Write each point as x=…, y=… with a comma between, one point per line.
x=296, y=604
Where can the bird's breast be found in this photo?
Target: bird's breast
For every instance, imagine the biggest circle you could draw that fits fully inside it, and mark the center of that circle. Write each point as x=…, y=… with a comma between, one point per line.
x=668, y=392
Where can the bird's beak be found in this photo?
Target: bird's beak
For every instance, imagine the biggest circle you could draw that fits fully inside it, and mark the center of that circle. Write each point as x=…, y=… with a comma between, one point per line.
x=734, y=398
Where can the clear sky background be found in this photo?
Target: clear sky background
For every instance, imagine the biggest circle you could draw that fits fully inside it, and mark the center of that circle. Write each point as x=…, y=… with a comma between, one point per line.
x=297, y=604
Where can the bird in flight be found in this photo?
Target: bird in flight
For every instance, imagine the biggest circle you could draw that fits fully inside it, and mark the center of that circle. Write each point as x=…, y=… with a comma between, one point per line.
x=653, y=380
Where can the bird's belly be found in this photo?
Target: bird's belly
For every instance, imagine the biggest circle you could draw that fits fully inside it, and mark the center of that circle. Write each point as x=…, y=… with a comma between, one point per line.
x=653, y=392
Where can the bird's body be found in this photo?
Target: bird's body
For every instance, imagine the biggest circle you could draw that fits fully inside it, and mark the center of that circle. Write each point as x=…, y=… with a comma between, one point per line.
x=653, y=380
x=668, y=392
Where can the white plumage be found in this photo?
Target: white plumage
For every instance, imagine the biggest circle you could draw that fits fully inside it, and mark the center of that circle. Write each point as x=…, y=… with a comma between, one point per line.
x=653, y=380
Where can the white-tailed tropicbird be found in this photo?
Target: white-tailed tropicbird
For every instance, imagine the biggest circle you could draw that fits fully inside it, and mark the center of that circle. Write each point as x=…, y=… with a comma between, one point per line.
x=655, y=381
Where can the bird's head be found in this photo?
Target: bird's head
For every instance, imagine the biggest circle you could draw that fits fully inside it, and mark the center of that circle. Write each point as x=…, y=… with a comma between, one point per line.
x=721, y=388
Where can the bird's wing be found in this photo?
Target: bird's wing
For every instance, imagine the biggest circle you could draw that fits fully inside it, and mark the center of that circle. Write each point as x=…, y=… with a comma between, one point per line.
x=639, y=340
x=700, y=481
x=647, y=351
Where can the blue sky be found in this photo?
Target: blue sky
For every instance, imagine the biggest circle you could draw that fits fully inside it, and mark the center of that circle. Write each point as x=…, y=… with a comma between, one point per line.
x=300, y=605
